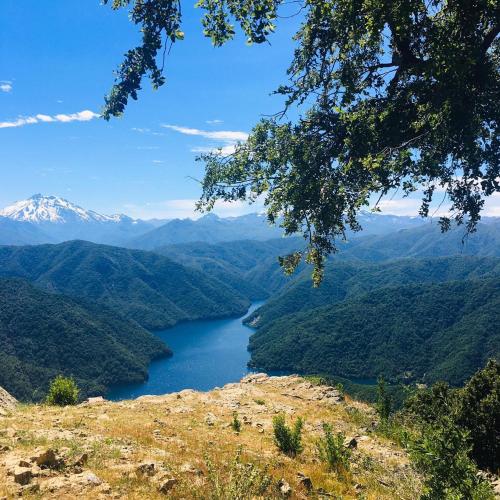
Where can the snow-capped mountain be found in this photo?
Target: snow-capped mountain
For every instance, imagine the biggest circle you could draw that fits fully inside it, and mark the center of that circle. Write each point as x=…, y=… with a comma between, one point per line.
x=61, y=220
x=42, y=209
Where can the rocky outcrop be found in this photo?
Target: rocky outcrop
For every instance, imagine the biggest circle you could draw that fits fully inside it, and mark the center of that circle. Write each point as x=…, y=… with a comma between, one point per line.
x=182, y=445
x=7, y=402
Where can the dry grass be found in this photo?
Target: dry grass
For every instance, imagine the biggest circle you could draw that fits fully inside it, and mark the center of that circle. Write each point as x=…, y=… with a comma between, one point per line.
x=172, y=431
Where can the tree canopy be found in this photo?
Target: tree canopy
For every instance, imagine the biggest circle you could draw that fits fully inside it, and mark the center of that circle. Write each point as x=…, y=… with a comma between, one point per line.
x=391, y=95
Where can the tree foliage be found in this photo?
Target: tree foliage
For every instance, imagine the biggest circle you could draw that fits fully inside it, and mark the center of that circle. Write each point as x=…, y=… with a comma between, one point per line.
x=442, y=455
x=474, y=408
x=398, y=95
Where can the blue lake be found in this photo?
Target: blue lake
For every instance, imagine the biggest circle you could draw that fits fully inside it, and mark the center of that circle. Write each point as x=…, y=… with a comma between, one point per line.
x=207, y=354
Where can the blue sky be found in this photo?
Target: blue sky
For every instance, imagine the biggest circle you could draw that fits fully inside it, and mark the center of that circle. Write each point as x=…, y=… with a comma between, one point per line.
x=56, y=63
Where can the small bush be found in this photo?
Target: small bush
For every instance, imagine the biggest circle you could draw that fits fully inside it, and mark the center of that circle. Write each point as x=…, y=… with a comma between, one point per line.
x=236, y=423
x=332, y=450
x=63, y=391
x=316, y=379
x=260, y=402
x=288, y=440
x=237, y=482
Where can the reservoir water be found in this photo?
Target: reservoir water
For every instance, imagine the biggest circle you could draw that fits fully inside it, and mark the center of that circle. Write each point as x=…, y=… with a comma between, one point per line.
x=207, y=354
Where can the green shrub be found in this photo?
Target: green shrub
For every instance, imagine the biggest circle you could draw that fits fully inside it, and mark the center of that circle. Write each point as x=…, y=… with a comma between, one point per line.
x=260, y=402
x=236, y=423
x=63, y=391
x=441, y=454
x=475, y=408
x=332, y=450
x=239, y=481
x=288, y=440
x=479, y=413
x=316, y=379
x=384, y=400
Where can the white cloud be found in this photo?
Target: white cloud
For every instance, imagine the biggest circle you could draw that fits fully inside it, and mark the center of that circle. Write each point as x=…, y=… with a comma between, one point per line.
x=158, y=162
x=45, y=118
x=492, y=205
x=228, y=139
x=214, y=122
x=223, y=135
x=5, y=86
x=81, y=116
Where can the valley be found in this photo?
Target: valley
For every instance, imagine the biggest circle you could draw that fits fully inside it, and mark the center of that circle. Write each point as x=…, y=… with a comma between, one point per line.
x=386, y=302
x=172, y=337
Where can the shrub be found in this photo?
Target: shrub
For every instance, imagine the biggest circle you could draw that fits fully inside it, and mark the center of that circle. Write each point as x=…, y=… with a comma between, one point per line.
x=241, y=481
x=63, y=391
x=479, y=413
x=441, y=454
x=384, y=401
x=288, y=440
x=236, y=423
x=332, y=450
x=260, y=402
x=428, y=405
x=316, y=379
x=475, y=408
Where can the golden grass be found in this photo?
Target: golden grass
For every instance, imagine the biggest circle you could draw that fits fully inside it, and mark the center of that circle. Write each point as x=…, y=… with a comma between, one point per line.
x=172, y=431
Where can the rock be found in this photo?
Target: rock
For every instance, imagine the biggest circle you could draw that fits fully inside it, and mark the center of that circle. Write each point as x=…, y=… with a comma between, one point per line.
x=304, y=481
x=167, y=484
x=188, y=468
x=7, y=402
x=146, y=469
x=24, y=463
x=210, y=419
x=30, y=489
x=81, y=461
x=92, y=479
x=352, y=443
x=255, y=378
x=22, y=475
x=285, y=488
x=48, y=459
x=96, y=400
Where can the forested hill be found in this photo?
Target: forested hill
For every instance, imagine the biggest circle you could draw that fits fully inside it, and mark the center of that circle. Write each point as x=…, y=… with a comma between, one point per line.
x=410, y=332
x=147, y=287
x=44, y=334
x=427, y=241
x=347, y=279
x=249, y=266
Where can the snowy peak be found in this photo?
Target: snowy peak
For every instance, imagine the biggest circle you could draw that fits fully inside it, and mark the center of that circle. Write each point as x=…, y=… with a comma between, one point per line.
x=41, y=209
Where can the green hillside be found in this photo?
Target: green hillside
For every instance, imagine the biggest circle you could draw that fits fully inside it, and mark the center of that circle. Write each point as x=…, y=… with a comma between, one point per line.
x=146, y=287
x=421, y=331
x=347, y=279
x=43, y=335
x=249, y=266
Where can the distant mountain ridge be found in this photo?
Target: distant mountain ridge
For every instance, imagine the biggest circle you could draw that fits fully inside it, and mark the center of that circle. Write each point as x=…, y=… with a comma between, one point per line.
x=213, y=229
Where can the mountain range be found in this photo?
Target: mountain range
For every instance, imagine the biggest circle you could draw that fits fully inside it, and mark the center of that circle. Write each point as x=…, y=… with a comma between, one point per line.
x=52, y=219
